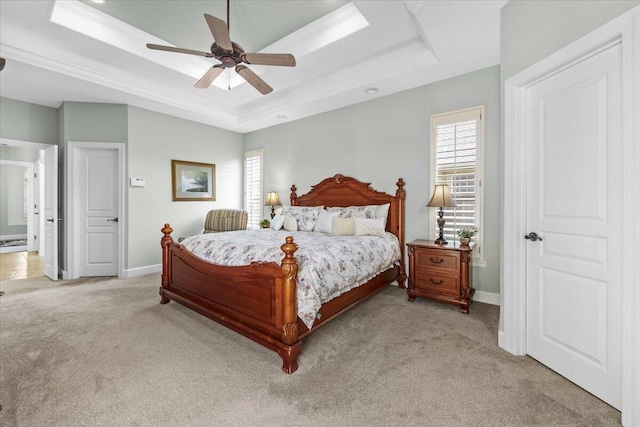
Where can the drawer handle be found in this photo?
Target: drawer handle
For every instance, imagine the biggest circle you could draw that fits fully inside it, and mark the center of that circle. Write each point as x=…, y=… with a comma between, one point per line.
x=436, y=262
x=436, y=283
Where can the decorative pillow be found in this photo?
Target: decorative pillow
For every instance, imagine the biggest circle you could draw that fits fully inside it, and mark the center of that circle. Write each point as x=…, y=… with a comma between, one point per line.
x=369, y=227
x=325, y=221
x=277, y=222
x=383, y=211
x=306, y=216
x=290, y=223
x=342, y=226
x=361, y=211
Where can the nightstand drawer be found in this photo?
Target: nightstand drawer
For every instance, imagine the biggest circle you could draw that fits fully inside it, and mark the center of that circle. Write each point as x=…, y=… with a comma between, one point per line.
x=445, y=260
x=433, y=282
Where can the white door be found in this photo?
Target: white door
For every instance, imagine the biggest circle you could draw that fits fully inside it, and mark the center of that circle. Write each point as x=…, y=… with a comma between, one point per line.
x=98, y=212
x=51, y=212
x=574, y=203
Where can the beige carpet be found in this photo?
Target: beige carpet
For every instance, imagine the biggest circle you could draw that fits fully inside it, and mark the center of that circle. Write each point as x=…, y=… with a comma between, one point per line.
x=104, y=352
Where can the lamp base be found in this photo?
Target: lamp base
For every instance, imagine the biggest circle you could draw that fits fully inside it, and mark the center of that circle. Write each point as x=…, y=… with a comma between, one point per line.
x=440, y=240
x=273, y=212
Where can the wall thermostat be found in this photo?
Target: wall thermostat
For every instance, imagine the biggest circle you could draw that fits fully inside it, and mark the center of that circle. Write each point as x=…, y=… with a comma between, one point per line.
x=137, y=182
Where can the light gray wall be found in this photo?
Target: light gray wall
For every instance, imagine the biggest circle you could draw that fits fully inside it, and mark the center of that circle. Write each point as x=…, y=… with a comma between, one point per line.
x=384, y=139
x=11, y=189
x=12, y=221
x=154, y=140
x=532, y=30
x=28, y=122
x=85, y=122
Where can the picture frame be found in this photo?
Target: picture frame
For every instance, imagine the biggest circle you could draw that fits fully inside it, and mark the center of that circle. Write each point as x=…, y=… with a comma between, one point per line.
x=192, y=181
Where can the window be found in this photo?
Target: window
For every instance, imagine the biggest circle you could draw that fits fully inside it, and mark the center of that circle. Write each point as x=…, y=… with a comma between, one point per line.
x=253, y=187
x=456, y=160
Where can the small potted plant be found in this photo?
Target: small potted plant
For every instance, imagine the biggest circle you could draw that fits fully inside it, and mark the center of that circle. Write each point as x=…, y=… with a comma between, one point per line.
x=466, y=234
x=265, y=223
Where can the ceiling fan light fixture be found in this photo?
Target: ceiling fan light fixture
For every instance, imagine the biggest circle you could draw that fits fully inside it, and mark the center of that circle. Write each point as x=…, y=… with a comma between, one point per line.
x=231, y=55
x=371, y=90
x=99, y=1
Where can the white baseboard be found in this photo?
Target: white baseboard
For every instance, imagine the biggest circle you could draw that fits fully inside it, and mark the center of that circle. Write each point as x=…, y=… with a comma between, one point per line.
x=141, y=271
x=8, y=249
x=65, y=274
x=487, y=297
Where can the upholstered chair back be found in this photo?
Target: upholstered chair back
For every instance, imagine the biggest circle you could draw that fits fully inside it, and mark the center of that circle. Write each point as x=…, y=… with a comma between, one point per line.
x=225, y=220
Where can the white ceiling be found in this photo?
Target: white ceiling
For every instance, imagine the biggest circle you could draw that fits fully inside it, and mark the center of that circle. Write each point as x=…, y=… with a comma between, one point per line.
x=68, y=51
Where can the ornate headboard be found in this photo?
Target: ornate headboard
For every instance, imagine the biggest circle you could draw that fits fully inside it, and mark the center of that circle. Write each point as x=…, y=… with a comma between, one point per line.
x=342, y=191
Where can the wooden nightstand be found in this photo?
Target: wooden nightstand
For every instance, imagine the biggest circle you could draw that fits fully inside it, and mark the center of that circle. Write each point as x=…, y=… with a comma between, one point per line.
x=440, y=272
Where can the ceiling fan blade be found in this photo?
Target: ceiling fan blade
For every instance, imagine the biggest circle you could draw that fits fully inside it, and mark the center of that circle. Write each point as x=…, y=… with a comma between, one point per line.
x=2, y=62
x=253, y=79
x=209, y=76
x=281, y=59
x=179, y=50
x=220, y=32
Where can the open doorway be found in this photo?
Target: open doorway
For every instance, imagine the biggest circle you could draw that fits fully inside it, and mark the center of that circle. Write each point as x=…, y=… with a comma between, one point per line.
x=22, y=198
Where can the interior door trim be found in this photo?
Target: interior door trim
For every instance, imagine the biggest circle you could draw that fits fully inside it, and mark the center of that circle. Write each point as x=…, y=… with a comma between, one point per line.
x=625, y=30
x=73, y=194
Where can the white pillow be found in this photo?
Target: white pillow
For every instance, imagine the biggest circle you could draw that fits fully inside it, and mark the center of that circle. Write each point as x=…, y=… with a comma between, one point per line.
x=369, y=227
x=342, y=226
x=290, y=223
x=325, y=221
x=277, y=222
x=383, y=211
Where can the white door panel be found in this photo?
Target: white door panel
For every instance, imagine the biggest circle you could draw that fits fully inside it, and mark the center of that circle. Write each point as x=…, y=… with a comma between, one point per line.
x=98, y=212
x=50, y=210
x=574, y=203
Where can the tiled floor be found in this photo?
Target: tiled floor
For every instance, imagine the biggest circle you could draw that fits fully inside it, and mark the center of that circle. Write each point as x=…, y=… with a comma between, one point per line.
x=20, y=265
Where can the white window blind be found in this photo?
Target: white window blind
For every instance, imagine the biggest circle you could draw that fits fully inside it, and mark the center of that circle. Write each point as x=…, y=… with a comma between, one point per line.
x=253, y=187
x=456, y=151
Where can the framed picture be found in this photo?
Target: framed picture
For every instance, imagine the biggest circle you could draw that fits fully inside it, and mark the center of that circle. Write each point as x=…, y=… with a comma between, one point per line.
x=193, y=181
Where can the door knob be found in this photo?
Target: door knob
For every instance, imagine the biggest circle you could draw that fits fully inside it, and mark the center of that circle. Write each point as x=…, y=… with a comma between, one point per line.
x=113, y=219
x=533, y=237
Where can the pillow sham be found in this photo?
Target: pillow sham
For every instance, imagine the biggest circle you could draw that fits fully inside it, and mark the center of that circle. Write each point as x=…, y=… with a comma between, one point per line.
x=342, y=226
x=290, y=223
x=369, y=227
x=277, y=222
x=325, y=221
x=383, y=211
x=306, y=216
x=361, y=211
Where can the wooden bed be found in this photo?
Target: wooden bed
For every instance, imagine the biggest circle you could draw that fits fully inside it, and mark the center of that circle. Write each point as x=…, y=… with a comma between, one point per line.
x=259, y=300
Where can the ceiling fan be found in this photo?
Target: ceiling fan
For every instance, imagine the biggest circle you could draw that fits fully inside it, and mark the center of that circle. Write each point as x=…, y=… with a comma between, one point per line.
x=2, y=62
x=231, y=54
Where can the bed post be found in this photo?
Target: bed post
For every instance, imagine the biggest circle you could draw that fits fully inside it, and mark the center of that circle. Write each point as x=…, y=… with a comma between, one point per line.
x=400, y=195
x=293, y=195
x=166, y=241
x=291, y=346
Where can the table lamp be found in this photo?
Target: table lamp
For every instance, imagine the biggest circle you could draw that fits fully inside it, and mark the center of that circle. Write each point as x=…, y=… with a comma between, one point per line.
x=272, y=200
x=441, y=198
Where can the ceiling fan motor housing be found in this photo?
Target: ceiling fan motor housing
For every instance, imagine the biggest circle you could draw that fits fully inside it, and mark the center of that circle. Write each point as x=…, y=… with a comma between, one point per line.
x=228, y=59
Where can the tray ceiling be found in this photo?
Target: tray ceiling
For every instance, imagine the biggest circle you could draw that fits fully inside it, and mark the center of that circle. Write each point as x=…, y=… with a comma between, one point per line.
x=69, y=50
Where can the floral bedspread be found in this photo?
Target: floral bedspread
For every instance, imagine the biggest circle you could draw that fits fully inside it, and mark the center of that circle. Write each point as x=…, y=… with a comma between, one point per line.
x=328, y=265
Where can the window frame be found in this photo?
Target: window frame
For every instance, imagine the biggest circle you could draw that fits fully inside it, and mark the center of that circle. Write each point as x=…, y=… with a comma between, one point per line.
x=477, y=256
x=248, y=155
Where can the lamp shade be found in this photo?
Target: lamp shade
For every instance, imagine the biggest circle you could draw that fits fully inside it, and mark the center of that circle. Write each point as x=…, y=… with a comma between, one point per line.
x=272, y=199
x=442, y=197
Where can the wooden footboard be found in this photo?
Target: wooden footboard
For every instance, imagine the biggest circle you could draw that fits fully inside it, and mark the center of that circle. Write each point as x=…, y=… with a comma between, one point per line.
x=258, y=300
